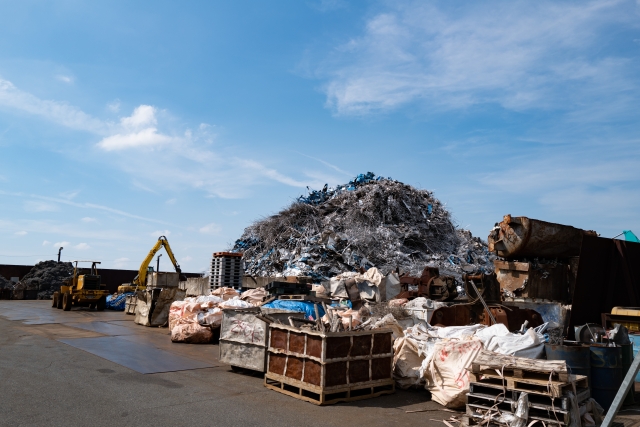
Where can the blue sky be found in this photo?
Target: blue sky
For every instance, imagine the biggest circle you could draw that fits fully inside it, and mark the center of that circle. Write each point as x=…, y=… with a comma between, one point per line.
x=121, y=121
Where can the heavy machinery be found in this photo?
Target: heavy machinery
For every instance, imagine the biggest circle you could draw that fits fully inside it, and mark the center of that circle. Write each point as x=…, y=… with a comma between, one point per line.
x=82, y=290
x=140, y=281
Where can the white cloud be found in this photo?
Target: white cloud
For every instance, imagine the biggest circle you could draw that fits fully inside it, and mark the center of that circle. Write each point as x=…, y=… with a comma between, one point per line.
x=88, y=219
x=185, y=259
x=46, y=243
x=55, y=111
x=211, y=228
x=144, y=138
x=70, y=194
x=159, y=233
x=82, y=246
x=120, y=262
x=171, y=201
x=20, y=233
x=114, y=106
x=517, y=55
x=174, y=159
x=64, y=244
x=65, y=79
x=40, y=206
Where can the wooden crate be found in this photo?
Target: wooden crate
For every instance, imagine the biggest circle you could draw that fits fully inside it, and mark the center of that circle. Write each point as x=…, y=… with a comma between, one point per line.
x=533, y=385
x=329, y=367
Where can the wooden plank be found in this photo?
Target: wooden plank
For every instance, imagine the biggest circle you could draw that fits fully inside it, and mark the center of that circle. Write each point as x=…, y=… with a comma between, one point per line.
x=488, y=359
x=297, y=392
x=477, y=411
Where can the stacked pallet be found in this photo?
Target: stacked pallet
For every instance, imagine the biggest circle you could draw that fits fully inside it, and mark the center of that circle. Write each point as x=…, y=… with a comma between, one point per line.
x=226, y=270
x=497, y=382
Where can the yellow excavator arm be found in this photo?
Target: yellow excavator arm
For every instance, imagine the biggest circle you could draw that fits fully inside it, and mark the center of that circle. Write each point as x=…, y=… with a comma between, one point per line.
x=141, y=278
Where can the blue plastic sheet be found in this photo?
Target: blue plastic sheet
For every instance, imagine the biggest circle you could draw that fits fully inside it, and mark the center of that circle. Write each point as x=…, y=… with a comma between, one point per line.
x=630, y=237
x=118, y=302
x=305, y=307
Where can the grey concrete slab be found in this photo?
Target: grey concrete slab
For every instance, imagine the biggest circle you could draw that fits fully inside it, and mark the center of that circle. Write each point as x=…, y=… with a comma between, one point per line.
x=105, y=328
x=138, y=356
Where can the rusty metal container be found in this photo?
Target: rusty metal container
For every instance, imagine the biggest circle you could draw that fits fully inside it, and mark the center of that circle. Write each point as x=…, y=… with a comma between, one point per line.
x=525, y=237
x=528, y=280
x=329, y=367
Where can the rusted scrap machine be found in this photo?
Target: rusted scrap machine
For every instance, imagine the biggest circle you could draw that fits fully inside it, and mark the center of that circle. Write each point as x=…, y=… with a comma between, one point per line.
x=539, y=259
x=429, y=285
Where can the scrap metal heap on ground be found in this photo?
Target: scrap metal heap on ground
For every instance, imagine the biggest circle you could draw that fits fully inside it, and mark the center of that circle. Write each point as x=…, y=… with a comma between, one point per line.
x=369, y=222
x=45, y=277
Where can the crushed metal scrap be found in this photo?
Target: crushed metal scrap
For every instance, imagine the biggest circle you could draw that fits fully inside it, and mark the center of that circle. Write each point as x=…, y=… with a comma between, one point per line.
x=369, y=222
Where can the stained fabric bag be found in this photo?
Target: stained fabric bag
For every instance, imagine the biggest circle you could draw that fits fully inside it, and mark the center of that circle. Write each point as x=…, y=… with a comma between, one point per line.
x=447, y=375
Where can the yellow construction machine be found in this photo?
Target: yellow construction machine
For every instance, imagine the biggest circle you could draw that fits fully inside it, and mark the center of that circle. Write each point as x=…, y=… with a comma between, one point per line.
x=140, y=281
x=82, y=290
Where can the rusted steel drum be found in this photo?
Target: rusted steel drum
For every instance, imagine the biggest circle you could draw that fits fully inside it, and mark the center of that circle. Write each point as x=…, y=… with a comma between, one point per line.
x=525, y=237
x=607, y=373
x=578, y=357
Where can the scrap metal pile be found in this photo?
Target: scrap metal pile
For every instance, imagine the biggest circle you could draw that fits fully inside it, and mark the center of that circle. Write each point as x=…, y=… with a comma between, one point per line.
x=370, y=222
x=46, y=277
x=4, y=283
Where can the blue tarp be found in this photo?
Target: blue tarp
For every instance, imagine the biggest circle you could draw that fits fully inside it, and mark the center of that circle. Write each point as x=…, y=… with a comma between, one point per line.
x=630, y=237
x=305, y=307
x=118, y=302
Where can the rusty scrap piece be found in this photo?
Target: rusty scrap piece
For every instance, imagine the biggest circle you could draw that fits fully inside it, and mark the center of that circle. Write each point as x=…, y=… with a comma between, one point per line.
x=525, y=237
x=430, y=285
x=487, y=285
x=549, y=281
x=467, y=314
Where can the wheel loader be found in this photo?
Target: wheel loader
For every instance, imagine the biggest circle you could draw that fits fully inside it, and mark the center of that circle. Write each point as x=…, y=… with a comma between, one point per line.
x=82, y=290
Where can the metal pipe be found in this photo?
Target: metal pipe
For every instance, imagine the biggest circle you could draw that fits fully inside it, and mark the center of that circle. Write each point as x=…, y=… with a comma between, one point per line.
x=59, y=250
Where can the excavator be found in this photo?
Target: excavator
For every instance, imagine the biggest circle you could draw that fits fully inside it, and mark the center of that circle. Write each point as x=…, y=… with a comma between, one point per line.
x=139, y=283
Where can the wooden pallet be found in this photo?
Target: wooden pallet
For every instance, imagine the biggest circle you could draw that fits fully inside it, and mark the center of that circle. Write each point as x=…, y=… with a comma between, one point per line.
x=517, y=367
x=522, y=373
x=316, y=395
x=508, y=405
x=532, y=385
x=494, y=392
x=477, y=413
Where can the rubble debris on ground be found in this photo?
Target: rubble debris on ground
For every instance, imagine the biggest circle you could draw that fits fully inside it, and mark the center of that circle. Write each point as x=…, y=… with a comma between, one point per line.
x=368, y=222
x=46, y=277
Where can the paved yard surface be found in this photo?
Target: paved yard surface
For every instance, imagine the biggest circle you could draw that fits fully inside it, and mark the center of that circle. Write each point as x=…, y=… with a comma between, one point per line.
x=53, y=372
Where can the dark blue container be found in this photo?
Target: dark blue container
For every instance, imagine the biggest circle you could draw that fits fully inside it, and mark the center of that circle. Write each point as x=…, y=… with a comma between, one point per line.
x=607, y=373
x=578, y=357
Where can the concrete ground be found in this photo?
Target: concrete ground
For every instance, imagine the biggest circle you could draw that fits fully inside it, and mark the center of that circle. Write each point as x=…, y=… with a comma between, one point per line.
x=44, y=381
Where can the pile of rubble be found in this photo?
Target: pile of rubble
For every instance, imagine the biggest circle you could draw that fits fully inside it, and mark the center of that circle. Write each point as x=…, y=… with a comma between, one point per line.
x=4, y=283
x=369, y=222
x=46, y=277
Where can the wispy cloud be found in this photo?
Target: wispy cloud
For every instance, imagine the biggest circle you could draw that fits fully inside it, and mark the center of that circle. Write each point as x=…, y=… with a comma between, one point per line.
x=211, y=228
x=65, y=79
x=517, y=55
x=40, y=206
x=82, y=246
x=63, y=244
x=120, y=262
x=20, y=233
x=55, y=111
x=88, y=219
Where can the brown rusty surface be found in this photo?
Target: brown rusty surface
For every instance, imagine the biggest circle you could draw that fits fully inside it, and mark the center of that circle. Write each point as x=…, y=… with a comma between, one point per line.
x=382, y=343
x=338, y=347
x=276, y=363
x=533, y=280
x=294, y=368
x=526, y=237
x=312, y=372
x=358, y=371
x=296, y=343
x=314, y=346
x=465, y=314
x=381, y=368
x=335, y=374
x=361, y=345
x=279, y=339
x=430, y=285
x=487, y=285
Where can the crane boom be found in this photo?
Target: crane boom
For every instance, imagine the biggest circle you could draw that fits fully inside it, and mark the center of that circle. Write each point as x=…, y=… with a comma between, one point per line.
x=141, y=278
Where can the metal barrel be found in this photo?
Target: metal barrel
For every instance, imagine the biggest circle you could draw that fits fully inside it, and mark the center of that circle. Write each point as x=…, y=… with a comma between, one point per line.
x=607, y=373
x=578, y=357
x=526, y=237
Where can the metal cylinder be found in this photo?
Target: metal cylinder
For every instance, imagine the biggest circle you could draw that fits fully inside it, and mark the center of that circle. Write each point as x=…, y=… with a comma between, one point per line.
x=578, y=357
x=525, y=237
x=607, y=373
